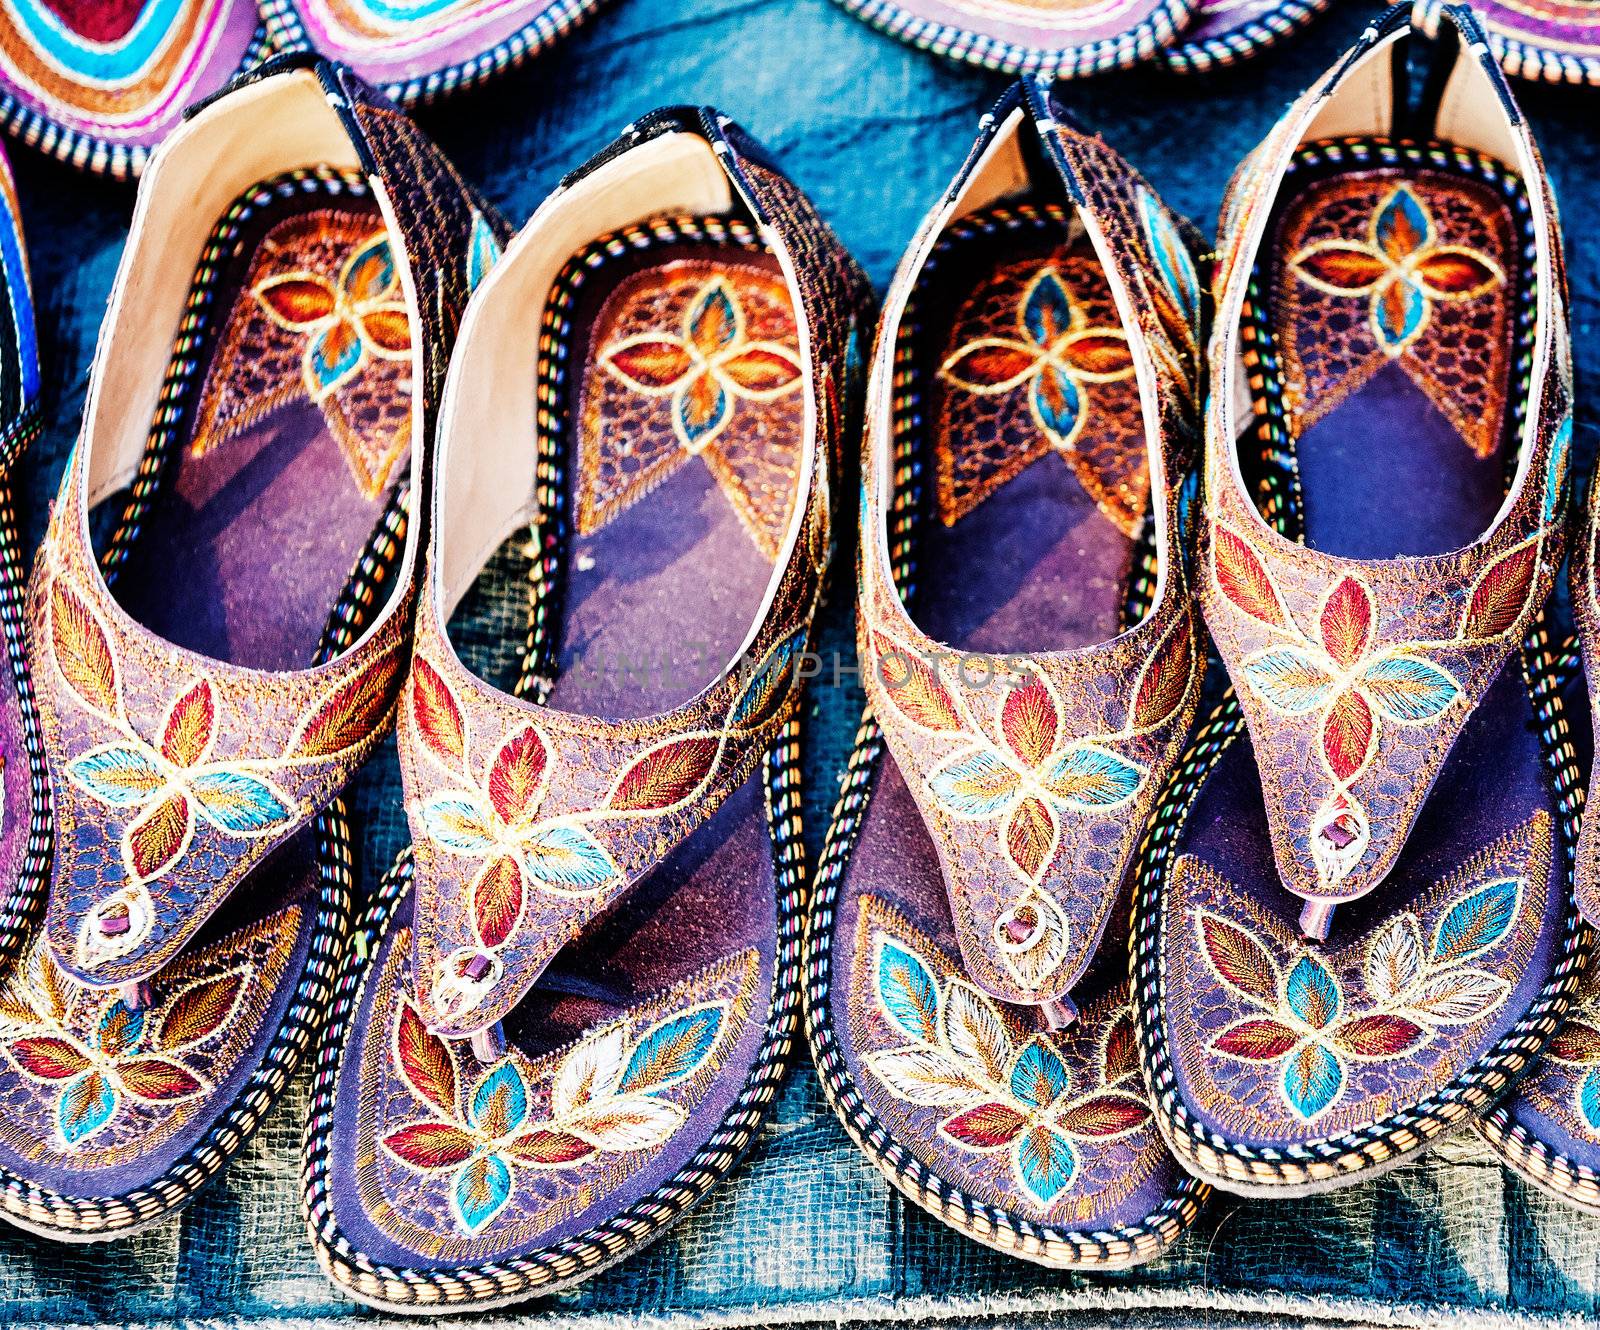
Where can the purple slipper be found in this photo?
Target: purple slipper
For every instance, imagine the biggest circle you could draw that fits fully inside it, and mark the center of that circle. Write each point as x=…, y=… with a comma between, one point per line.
x=1031, y=684
x=1226, y=32
x=1355, y=926
x=417, y=52
x=1557, y=41
x=219, y=530
x=100, y=83
x=584, y=975
x=1052, y=41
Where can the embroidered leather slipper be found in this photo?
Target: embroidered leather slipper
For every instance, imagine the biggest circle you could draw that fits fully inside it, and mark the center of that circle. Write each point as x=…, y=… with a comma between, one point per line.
x=585, y=973
x=1557, y=41
x=1547, y=1130
x=1052, y=41
x=1355, y=926
x=99, y=84
x=1031, y=423
x=1226, y=32
x=217, y=646
x=418, y=52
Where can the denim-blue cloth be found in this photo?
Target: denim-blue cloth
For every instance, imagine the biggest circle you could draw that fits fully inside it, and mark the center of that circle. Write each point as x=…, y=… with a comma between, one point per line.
x=806, y=1232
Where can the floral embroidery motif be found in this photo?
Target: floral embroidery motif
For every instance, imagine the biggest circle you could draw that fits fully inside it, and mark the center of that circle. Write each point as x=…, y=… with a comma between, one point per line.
x=1307, y=1024
x=1032, y=775
x=358, y=315
x=1577, y=1045
x=1400, y=268
x=705, y=368
x=605, y=1098
x=1339, y=673
x=167, y=783
x=1057, y=356
x=1001, y=1094
x=131, y=1056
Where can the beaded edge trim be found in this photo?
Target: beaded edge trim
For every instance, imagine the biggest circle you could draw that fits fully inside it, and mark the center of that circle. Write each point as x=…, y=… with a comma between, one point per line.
x=1249, y=39
x=1120, y=1246
x=1138, y=43
x=70, y=1218
x=90, y=152
x=287, y=32
x=1334, y=1161
x=560, y=1265
x=1521, y=58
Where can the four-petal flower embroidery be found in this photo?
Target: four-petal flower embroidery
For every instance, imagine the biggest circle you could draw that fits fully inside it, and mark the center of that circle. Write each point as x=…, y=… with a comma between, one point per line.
x=999, y=1093
x=605, y=1098
x=1401, y=268
x=1057, y=354
x=168, y=782
x=1304, y=1021
x=706, y=367
x=344, y=321
x=131, y=1057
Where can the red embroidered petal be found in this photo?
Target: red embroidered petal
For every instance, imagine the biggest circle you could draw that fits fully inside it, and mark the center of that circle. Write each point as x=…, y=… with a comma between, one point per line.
x=1031, y=837
x=665, y=775
x=297, y=302
x=1242, y=577
x=1501, y=593
x=437, y=713
x=1256, y=1040
x=1347, y=735
x=354, y=710
x=1099, y=355
x=1453, y=273
x=1239, y=958
x=48, y=1058
x=1121, y=1049
x=388, y=328
x=157, y=840
x=1382, y=1035
x=1029, y=722
x=157, y=1080
x=990, y=365
x=424, y=1060
x=652, y=364
x=189, y=726
x=986, y=1127
x=761, y=370
x=913, y=686
x=1165, y=681
x=548, y=1148
x=516, y=781
x=430, y=1145
x=82, y=653
x=1346, y=622
x=1103, y=1115
x=1342, y=268
x=497, y=900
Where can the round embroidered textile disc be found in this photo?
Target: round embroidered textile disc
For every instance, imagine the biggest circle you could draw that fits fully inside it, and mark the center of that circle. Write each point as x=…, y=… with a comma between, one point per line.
x=98, y=83
x=1060, y=38
x=1228, y=31
x=1557, y=41
x=416, y=50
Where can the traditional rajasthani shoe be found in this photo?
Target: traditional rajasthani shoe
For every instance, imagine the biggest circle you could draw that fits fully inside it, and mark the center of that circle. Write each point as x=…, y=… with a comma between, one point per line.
x=1031, y=425
x=1226, y=32
x=1355, y=926
x=99, y=84
x=1053, y=41
x=584, y=974
x=1548, y=1128
x=218, y=623
x=417, y=52
x=1557, y=41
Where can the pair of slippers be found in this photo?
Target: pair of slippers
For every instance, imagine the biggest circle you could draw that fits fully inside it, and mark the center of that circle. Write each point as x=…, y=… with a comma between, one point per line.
x=1070, y=965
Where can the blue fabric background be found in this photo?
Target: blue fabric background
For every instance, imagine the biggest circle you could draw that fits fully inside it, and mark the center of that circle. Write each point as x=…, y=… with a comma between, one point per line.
x=806, y=1232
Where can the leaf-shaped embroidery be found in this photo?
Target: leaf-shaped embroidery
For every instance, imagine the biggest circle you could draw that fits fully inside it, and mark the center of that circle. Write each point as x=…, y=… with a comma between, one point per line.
x=1103, y=1116
x=498, y=1104
x=1046, y=1162
x=672, y=1051
x=1029, y=721
x=186, y=737
x=1577, y=1043
x=1030, y=837
x=1039, y=1077
x=1408, y=689
x=1338, y=267
x=907, y=991
x=543, y=1148
x=200, y=1009
x=975, y=1032
x=1459, y=996
x=765, y=689
x=666, y=776
x=85, y=1106
x=497, y=900
x=81, y=650
x=457, y=824
x=1476, y=922
x=1120, y=1056
x=157, y=840
x=120, y=775
x=480, y=1192
x=1346, y=621
x=563, y=857
x=240, y=803
x=649, y=363
x=635, y=1122
x=47, y=1058
x=1312, y=1079
x=424, y=1061
x=120, y=1029
x=913, y=686
x=1259, y=1039
x=1454, y=272
x=1394, y=960
x=1501, y=593
x=589, y=1073
x=1289, y=679
x=353, y=711
x=158, y=1081
x=1402, y=225
x=1380, y=1035
x=1165, y=681
x=436, y=713
x=925, y=1076
x=516, y=780
x=1239, y=958
x=990, y=365
x=1348, y=734
x=1312, y=992
x=984, y=1126
x=1243, y=578
x=296, y=301
x=1091, y=777
x=430, y=1145
x=974, y=783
